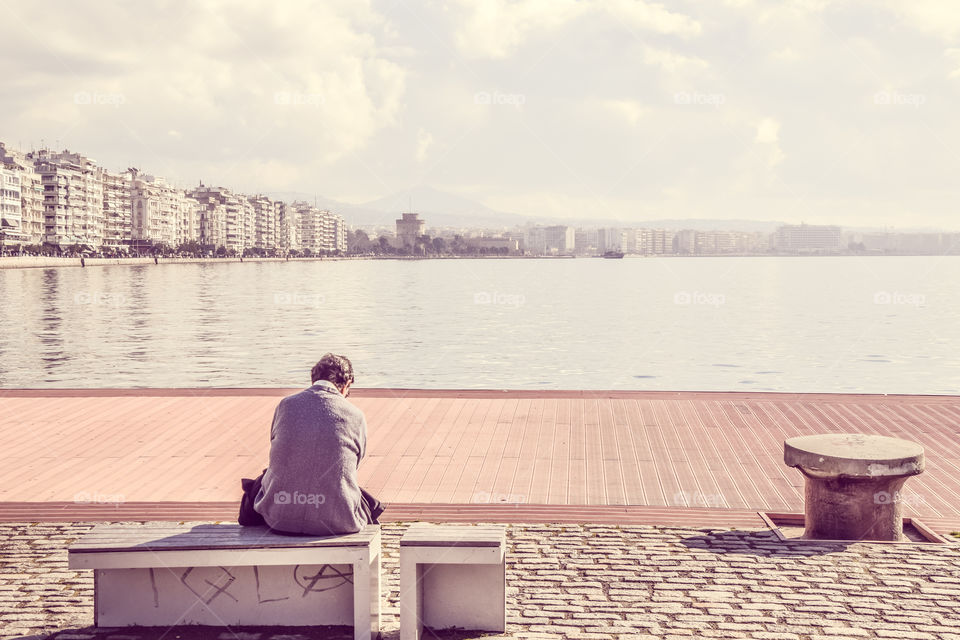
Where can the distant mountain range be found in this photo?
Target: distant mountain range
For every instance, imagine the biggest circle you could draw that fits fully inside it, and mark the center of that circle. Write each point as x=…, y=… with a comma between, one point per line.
x=442, y=209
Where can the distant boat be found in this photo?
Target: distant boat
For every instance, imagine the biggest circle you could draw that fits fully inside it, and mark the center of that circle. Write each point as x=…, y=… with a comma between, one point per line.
x=613, y=254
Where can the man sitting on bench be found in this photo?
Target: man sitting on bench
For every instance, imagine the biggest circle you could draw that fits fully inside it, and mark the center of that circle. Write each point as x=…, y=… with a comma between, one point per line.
x=316, y=443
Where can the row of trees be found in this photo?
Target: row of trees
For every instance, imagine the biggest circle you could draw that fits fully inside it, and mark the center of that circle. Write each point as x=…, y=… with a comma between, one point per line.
x=360, y=243
x=190, y=249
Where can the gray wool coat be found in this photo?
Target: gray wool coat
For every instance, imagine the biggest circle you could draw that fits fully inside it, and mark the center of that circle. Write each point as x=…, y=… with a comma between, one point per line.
x=316, y=443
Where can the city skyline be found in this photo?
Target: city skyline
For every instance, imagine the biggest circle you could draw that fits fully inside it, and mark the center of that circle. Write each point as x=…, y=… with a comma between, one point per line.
x=63, y=201
x=816, y=111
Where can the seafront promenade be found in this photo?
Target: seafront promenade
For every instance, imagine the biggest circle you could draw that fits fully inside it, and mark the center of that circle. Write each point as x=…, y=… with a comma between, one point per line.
x=36, y=262
x=630, y=514
x=528, y=452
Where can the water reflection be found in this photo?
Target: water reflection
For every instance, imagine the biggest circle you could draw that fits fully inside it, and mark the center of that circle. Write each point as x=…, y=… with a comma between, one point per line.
x=54, y=354
x=778, y=324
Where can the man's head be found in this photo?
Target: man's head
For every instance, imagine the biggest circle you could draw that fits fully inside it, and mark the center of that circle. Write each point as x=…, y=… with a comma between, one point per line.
x=335, y=369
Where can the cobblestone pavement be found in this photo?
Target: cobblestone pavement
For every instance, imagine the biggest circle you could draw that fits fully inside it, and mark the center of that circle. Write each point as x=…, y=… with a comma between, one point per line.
x=584, y=582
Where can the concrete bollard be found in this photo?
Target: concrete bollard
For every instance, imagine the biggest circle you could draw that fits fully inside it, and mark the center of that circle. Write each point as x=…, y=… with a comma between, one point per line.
x=853, y=482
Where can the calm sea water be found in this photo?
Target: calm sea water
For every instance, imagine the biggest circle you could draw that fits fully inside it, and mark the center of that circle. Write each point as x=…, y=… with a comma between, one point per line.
x=852, y=324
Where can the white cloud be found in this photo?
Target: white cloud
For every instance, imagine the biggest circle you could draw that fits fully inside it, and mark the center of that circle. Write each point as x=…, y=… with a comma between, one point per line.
x=424, y=141
x=496, y=28
x=600, y=132
x=768, y=133
x=305, y=80
x=939, y=17
x=647, y=16
x=672, y=62
x=629, y=110
x=953, y=55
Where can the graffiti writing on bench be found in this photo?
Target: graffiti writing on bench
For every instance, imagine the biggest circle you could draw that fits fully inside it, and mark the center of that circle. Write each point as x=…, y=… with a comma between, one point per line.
x=327, y=578
x=217, y=588
x=153, y=586
x=260, y=598
x=207, y=584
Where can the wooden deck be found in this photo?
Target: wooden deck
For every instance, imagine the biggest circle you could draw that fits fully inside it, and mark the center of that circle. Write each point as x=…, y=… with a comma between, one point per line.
x=656, y=450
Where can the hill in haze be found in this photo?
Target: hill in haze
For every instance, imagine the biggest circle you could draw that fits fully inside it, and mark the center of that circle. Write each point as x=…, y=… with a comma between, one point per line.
x=443, y=209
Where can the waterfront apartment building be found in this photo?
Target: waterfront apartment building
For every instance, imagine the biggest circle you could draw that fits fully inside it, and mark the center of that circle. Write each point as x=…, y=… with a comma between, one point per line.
x=11, y=217
x=212, y=215
x=586, y=241
x=64, y=199
x=612, y=239
x=31, y=226
x=320, y=231
x=265, y=215
x=685, y=242
x=117, y=226
x=310, y=228
x=236, y=217
x=649, y=242
x=337, y=232
x=907, y=243
x=160, y=214
x=559, y=239
x=807, y=238
x=72, y=198
x=552, y=240
x=288, y=228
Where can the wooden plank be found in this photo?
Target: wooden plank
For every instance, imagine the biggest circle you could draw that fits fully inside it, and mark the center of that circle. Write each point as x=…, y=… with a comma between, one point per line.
x=112, y=538
x=426, y=535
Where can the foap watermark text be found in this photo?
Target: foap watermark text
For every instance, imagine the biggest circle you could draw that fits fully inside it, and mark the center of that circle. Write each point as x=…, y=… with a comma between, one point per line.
x=297, y=299
x=899, y=297
x=285, y=497
x=498, y=297
x=699, y=297
x=496, y=98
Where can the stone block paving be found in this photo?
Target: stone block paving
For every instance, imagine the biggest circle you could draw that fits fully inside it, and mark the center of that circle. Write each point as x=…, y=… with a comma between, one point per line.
x=583, y=582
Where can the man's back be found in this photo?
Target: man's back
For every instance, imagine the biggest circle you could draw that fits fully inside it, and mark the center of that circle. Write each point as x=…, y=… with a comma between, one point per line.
x=316, y=443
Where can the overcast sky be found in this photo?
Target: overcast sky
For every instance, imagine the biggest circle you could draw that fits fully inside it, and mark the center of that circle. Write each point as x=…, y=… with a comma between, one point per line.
x=824, y=112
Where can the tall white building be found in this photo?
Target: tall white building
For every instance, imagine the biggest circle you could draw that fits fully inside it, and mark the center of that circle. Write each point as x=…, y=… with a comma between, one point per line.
x=335, y=233
x=72, y=198
x=157, y=211
x=11, y=216
x=559, y=239
x=31, y=196
x=265, y=214
x=236, y=218
x=310, y=227
x=288, y=228
x=64, y=199
x=613, y=239
x=212, y=215
x=807, y=238
x=116, y=212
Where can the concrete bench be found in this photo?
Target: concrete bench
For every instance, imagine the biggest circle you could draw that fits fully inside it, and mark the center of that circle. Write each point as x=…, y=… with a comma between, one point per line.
x=452, y=576
x=163, y=574
x=853, y=482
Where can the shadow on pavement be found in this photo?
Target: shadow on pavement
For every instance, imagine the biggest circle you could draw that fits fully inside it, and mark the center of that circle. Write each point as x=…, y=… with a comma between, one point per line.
x=760, y=543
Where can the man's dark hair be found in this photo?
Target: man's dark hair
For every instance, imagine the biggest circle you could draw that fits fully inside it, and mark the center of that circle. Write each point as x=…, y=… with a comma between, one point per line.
x=333, y=368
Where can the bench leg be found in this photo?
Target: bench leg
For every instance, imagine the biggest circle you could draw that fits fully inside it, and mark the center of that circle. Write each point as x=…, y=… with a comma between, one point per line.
x=375, y=594
x=366, y=597
x=411, y=596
